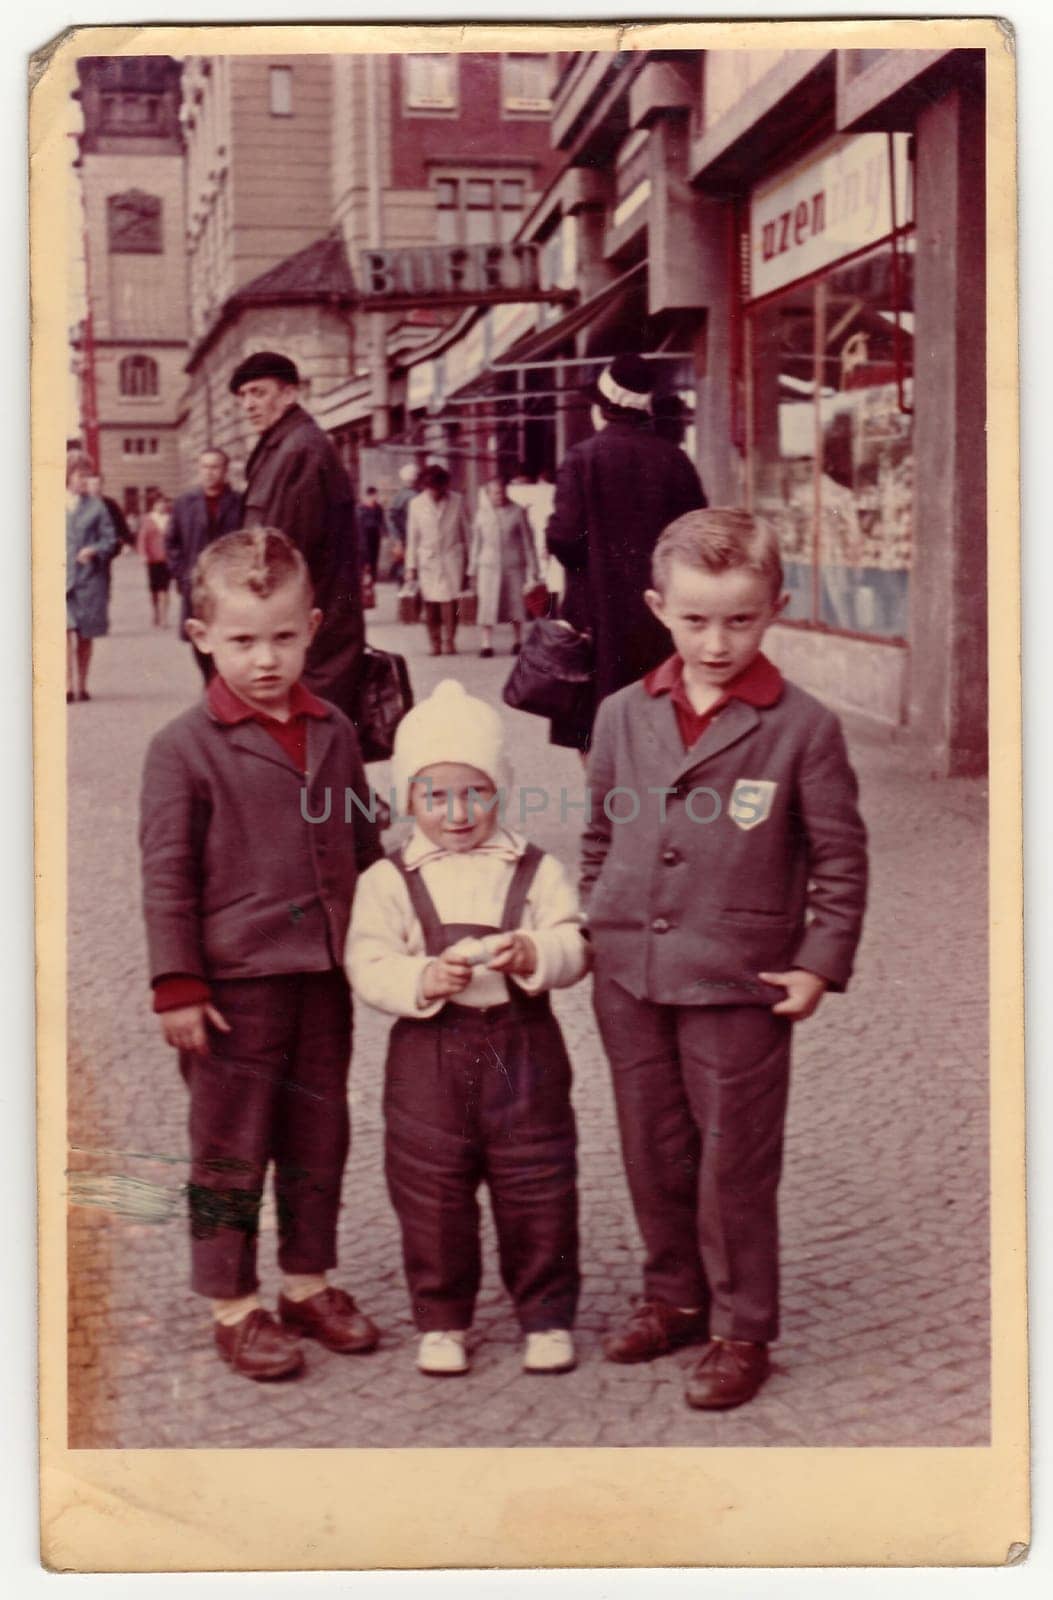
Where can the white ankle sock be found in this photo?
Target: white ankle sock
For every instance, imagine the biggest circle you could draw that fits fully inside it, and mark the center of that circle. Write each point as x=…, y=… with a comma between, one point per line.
x=297, y=1286
x=230, y=1312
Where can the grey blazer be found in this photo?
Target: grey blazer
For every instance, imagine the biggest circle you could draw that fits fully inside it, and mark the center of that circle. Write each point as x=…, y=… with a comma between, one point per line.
x=746, y=854
x=236, y=883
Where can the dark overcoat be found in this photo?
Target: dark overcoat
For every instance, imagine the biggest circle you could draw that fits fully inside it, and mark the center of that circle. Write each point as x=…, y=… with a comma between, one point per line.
x=295, y=482
x=189, y=532
x=615, y=492
x=745, y=853
x=237, y=883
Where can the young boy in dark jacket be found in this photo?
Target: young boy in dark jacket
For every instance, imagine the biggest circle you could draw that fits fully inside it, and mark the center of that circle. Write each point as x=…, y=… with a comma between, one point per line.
x=249, y=868
x=724, y=884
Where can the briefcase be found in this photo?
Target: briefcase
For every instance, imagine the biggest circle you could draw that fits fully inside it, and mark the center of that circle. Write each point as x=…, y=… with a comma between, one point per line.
x=383, y=697
x=409, y=602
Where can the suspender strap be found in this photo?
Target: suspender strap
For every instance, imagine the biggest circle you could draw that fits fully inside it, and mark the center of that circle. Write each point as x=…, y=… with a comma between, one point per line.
x=423, y=905
x=519, y=888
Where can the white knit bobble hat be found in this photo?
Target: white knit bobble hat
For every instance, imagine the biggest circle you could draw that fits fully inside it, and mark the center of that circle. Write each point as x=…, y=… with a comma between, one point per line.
x=450, y=725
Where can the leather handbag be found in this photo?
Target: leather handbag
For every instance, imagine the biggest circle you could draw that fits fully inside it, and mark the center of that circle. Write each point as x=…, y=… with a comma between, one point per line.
x=553, y=673
x=383, y=697
x=467, y=607
x=536, y=599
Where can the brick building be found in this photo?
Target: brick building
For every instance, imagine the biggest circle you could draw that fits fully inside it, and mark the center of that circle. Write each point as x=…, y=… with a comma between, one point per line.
x=130, y=166
x=297, y=164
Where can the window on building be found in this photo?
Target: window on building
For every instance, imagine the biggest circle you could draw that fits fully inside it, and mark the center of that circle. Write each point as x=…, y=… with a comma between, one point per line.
x=139, y=445
x=130, y=113
x=133, y=222
x=430, y=82
x=139, y=376
x=281, y=91
x=526, y=83
x=831, y=440
x=479, y=210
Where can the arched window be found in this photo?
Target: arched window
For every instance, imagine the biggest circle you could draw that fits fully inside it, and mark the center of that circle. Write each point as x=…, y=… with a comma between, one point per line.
x=139, y=376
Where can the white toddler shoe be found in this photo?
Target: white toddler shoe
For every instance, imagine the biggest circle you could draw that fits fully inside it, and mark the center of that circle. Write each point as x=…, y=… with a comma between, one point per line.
x=551, y=1351
x=442, y=1354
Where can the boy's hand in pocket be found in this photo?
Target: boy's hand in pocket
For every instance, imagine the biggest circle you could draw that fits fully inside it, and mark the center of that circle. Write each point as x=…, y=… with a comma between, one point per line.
x=804, y=990
x=184, y=1028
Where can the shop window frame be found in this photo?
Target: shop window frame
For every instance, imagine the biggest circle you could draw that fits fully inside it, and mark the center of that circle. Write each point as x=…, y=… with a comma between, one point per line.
x=748, y=310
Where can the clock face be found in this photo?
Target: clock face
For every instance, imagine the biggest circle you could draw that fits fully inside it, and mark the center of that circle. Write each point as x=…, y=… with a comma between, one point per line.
x=134, y=223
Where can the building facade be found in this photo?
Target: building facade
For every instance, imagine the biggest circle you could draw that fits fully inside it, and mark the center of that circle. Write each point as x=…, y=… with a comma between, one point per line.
x=295, y=165
x=798, y=239
x=133, y=342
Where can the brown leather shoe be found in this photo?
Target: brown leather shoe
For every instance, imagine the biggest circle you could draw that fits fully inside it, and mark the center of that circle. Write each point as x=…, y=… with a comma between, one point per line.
x=333, y=1319
x=257, y=1347
x=654, y=1329
x=728, y=1373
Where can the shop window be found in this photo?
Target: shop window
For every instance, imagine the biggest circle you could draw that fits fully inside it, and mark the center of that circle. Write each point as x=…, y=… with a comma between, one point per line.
x=478, y=210
x=139, y=377
x=831, y=441
x=430, y=82
x=281, y=102
x=133, y=221
x=526, y=83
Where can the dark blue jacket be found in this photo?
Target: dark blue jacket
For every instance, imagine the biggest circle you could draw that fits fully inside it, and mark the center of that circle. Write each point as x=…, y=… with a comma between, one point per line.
x=189, y=533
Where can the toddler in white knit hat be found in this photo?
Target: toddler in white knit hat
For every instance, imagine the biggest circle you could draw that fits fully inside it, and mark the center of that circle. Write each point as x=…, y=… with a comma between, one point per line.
x=461, y=934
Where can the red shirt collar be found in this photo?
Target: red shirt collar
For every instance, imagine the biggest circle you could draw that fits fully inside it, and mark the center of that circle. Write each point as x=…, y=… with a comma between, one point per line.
x=760, y=684
x=229, y=708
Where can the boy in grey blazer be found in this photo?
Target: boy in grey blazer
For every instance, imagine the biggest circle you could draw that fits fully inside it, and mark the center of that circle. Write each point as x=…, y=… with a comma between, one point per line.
x=249, y=867
x=724, y=879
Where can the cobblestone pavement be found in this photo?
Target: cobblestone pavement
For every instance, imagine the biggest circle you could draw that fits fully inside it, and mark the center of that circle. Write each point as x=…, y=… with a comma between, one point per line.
x=884, y=1199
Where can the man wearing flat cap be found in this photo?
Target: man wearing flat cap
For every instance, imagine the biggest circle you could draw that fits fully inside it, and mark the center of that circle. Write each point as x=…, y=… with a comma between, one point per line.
x=295, y=482
x=615, y=492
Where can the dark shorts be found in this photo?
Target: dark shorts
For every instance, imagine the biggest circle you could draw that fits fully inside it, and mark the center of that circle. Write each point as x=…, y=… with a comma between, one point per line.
x=158, y=576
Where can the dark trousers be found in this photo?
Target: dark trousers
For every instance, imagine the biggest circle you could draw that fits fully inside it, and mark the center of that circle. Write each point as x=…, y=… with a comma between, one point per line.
x=273, y=1089
x=701, y=1097
x=473, y=1097
x=440, y=619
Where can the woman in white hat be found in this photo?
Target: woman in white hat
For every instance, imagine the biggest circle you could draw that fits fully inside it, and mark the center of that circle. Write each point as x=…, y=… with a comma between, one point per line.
x=461, y=934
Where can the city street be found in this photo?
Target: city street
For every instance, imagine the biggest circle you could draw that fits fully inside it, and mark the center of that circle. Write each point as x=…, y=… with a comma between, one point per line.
x=883, y=1202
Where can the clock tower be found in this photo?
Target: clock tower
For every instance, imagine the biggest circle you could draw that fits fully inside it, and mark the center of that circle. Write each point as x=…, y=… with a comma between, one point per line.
x=131, y=171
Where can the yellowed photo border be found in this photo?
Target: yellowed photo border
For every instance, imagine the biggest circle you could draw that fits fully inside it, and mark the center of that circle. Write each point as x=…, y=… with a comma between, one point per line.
x=146, y=1511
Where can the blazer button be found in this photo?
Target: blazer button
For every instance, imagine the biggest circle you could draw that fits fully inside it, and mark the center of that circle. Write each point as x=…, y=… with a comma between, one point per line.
x=670, y=857
x=660, y=925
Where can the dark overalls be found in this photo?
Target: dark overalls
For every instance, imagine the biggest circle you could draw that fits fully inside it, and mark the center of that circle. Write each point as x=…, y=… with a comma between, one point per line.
x=474, y=1094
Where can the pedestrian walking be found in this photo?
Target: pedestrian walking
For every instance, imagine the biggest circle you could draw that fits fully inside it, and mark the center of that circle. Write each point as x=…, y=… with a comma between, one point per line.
x=91, y=543
x=502, y=561
x=295, y=482
x=247, y=890
x=711, y=941
x=151, y=542
x=372, y=524
x=199, y=517
x=615, y=492
x=124, y=533
x=437, y=536
x=460, y=935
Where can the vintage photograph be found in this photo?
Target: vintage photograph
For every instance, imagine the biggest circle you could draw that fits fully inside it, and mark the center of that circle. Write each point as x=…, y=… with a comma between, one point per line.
x=527, y=743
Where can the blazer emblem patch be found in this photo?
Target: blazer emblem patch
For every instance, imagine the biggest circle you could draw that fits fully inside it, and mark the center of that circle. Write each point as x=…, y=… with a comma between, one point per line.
x=751, y=802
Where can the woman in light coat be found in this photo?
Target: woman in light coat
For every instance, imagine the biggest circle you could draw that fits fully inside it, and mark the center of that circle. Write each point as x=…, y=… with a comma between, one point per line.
x=502, y=561
x=436, y=551
x=91, y=544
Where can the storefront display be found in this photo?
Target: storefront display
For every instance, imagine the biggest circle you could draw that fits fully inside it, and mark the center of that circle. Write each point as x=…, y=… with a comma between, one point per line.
x=830, y=369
